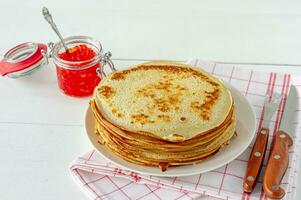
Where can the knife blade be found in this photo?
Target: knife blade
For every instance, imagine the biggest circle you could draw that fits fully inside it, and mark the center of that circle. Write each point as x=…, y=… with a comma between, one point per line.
x=279, y=156
x=289, y=111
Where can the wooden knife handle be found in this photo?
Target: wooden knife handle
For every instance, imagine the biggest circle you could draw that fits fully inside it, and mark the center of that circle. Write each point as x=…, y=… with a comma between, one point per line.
x=256, y=160
x=277, y=165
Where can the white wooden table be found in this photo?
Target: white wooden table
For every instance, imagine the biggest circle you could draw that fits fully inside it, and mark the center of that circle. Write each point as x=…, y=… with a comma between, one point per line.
x=42, y=129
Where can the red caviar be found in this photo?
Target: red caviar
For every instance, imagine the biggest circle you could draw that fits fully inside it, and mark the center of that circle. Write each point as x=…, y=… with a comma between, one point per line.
x=79, y=79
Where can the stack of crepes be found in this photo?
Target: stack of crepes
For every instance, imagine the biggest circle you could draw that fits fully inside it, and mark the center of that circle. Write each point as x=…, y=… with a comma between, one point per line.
x=163, y=114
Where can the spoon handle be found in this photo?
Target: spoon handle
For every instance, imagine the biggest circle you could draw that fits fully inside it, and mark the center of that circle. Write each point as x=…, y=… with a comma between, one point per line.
x=49, y=19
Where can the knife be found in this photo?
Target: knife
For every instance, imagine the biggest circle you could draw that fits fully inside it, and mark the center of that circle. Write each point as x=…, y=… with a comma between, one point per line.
x=257, y=155
x=279, y=156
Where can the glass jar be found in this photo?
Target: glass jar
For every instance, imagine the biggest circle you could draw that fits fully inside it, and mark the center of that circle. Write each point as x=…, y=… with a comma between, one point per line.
x=79, y=78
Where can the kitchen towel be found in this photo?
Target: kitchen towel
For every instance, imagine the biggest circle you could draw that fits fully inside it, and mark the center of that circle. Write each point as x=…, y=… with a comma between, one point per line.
x=103, y=180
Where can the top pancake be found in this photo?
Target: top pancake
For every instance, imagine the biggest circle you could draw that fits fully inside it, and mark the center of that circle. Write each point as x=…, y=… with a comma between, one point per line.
x=172, y=101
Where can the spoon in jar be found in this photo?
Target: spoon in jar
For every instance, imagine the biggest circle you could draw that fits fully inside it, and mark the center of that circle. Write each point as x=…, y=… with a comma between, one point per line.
x=49, y=19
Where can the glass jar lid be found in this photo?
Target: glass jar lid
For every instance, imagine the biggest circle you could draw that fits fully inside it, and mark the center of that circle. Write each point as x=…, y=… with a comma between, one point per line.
x=23, y=59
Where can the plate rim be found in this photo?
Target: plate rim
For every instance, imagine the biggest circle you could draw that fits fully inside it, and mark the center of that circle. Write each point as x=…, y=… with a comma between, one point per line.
x=92, y=138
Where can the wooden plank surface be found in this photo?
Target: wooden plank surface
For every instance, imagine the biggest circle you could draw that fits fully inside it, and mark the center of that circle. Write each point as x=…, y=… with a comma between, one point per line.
x=42, y=130
x=232, y=31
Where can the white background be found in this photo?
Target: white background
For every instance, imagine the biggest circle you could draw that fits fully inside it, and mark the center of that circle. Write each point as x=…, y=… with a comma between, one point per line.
x=42, y=130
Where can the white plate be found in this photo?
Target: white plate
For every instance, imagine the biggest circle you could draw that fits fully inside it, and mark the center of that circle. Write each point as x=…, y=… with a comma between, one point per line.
x=246, y=127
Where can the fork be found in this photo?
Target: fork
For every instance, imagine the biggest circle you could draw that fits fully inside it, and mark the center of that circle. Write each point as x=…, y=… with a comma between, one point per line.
x=271, y=104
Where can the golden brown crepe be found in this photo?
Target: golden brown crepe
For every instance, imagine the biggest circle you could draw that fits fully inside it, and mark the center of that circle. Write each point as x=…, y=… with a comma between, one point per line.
x=163, y=114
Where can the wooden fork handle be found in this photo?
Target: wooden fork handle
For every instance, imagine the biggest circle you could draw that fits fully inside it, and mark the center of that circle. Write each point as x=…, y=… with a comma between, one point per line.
x=277, y=165
x=256, y=160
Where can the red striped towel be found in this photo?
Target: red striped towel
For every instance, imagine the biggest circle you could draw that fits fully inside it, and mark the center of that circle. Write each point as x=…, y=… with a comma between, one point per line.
x=102, y=180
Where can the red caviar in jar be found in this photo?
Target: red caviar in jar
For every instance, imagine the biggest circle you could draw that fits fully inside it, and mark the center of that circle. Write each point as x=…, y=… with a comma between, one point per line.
x=79, y=79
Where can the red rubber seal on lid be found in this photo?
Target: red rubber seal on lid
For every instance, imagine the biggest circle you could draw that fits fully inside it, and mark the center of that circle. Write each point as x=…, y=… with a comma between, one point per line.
x=9, y=64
